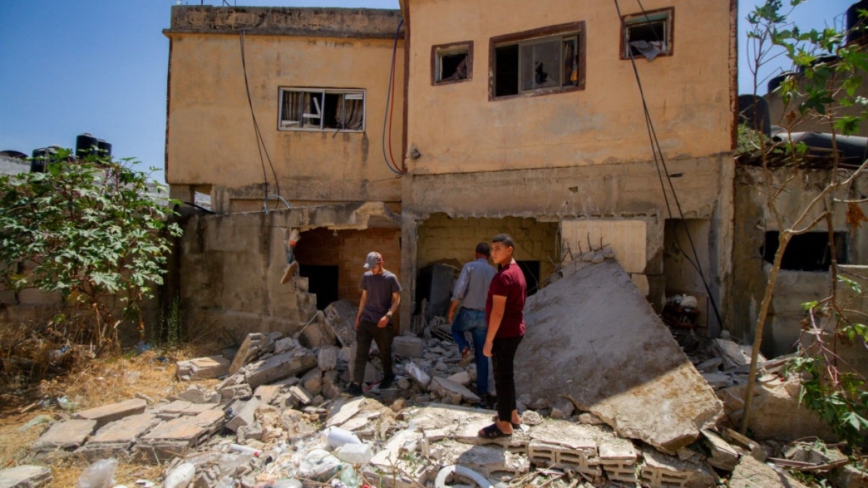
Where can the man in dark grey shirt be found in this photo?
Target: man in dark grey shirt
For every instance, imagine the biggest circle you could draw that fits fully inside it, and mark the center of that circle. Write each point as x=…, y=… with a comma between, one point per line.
x=471, y=290
x=381, y=295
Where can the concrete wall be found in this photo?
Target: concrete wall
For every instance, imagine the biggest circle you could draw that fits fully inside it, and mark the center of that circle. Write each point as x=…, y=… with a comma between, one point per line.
x=211, y=142
x=751, y=272
x=457, y=129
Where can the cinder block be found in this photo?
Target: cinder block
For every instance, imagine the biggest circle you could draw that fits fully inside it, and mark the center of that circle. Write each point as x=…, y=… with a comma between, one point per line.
x=560, y=457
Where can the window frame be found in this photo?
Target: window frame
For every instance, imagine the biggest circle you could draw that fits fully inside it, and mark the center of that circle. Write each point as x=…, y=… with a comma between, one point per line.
x=439, y=50
x=324, y=91
x=538, y=35
x=670, y=26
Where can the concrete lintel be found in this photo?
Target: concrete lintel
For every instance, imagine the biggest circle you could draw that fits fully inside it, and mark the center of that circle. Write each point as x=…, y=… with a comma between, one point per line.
x=358, y=23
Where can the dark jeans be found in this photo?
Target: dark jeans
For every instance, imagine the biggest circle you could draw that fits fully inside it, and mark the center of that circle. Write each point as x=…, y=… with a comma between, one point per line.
x=502, y=358
x=367, y=332
x=473, y=321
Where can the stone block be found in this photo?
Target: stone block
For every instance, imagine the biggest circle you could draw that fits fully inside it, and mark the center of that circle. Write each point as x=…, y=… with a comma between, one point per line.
x=489, y=461
x=300, y=395
x=116, y=411
x=253, y=346
x=280, y=366
x=618, y=459
x=234, y=392
x=285, y=344
x=341, y=318
x=244, y=414
x=317, y=332
x=595, y=366
x=266, y=393
x=660, y=470
x=723, y=456
x=175, y=437
x=116, y=438
x=65, y=435
x=461, y=377
x=25, y=476
x=750, y=473
x=197, y=394
x=312, y=381
x=407, y=346
x=327, y=358
x=447, y=388
x=202, y=368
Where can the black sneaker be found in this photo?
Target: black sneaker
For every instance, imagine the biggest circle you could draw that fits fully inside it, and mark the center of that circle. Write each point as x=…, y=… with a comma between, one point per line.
x=387, y=382
x=354, y=390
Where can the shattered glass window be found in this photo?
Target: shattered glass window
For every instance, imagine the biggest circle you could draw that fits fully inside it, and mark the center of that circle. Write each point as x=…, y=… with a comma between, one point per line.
x=322, y=109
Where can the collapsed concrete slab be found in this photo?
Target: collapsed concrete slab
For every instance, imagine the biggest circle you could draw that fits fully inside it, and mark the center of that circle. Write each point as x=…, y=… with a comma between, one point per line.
x=116, y=438
x=595, y=339
x=341, y=317
x=751, y=473
x=202, y=368
x=64, y=435
x=25, y=476
x=109, y=413
x=175, y=437
x=280, y=366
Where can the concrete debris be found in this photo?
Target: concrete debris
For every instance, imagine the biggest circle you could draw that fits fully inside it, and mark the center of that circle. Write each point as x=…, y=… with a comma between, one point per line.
x=25, y=476
x=241, y=413
x=198, y=394
x=723, y=456
x=750, y=473
x=775, y=411
x=449, y=389
x=317, y=333
x=660, y=470
x=340, y=316
x=327, y=358
x=65, y=435
x=590, y=311
x=280, y=366
x=108, y=413
x=116, y=438
x=407, y=346
x=735, y=356
x=202, y=368
x=253, y=346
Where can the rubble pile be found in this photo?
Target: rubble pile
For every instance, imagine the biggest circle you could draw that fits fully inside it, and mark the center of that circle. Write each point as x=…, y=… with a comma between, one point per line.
x=278, y=417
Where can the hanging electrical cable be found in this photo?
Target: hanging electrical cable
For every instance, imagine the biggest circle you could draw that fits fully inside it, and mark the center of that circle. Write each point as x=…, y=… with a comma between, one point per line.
x=260, y=143
x=660, y=161
x=387, y=116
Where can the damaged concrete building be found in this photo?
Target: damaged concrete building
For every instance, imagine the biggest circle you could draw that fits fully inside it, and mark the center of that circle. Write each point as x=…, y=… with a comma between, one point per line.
x=385, y=131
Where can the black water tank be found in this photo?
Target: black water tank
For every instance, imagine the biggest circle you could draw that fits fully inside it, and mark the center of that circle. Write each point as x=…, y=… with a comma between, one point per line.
x=85, y=145
x=856, y=24
x=105, y=148
x=775, y=82
x=40, y=158
x=754, y=111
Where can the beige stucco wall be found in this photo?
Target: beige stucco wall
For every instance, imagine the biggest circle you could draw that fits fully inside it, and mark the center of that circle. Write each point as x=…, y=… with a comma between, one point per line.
x=211, y=138
x=457, y=129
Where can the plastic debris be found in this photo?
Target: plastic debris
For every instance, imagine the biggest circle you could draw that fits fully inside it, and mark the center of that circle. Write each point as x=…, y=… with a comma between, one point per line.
x=100, y=474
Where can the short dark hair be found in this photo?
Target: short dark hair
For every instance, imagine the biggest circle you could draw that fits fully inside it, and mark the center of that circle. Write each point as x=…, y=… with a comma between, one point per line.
x=506, y=239
x=483, y=249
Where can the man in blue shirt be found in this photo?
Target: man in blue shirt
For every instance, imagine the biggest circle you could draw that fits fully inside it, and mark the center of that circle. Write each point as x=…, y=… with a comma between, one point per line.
x=470, y=291
x=381, y=295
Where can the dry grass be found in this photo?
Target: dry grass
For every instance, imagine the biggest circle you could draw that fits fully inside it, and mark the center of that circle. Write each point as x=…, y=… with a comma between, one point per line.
x=94, y=383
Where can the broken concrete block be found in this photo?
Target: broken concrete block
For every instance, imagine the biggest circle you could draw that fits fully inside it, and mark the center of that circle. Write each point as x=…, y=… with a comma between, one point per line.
x=244, y=414
x=461, y=377
x=618, y=458
x=25, y=476
x=235, y=392
x=624, y=376
x=723, y=456
x=197, y=394
x=344, y=410
x=660, y=470
x=775, y=411
x=750, y=473
x=317, y=333
x=279, y=366
x=116, y=438
x=300, y=395
x=116, y=411
x=733, y=355
x=447, y=388
x=66, y=435
x=266, y=393
x=489, y=461
x=285, y=344
x=407, y=346
x=562, y=409
x=341, y=317
x=327, y=358
x=175, y=437
x=564, y=445
x=709, y=365
x=312, y=381
x=746, y=443
x=202, y=368
x=717, y=380
x=254, y=345
x=418, y=375
x=330, y=387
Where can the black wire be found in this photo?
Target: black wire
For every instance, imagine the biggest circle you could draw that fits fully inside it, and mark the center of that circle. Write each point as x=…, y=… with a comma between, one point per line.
x=656, y=150
x=260, y=143
x=392, y=166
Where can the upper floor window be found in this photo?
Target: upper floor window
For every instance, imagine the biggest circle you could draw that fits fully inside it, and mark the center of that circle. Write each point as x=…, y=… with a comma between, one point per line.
x=451, y=63
x=322, y=109
x=647, y=34
x=546, y=60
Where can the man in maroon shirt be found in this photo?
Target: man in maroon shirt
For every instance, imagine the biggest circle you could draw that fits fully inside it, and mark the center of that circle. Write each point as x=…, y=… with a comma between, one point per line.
x=504, y=313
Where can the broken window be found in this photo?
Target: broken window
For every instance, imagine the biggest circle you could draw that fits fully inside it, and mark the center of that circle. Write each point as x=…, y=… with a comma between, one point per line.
x=322, y=109
x=547, y=60
x=451, y=62
x=807, y=252
x=647, y=34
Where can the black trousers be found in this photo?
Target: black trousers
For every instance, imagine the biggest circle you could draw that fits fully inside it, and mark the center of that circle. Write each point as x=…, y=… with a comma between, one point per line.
x=368, y=332
x=502, y=360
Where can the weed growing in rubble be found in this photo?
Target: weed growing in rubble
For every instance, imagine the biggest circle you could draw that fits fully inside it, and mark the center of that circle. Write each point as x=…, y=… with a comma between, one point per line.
x=87, y=230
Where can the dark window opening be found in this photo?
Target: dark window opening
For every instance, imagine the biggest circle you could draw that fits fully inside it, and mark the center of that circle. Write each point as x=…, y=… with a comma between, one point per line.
x=530, y=270
x=506, y=76
x=648, y=34
x=322, y=282
x=806, y=252
x=313, y=109
x=453, y=67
